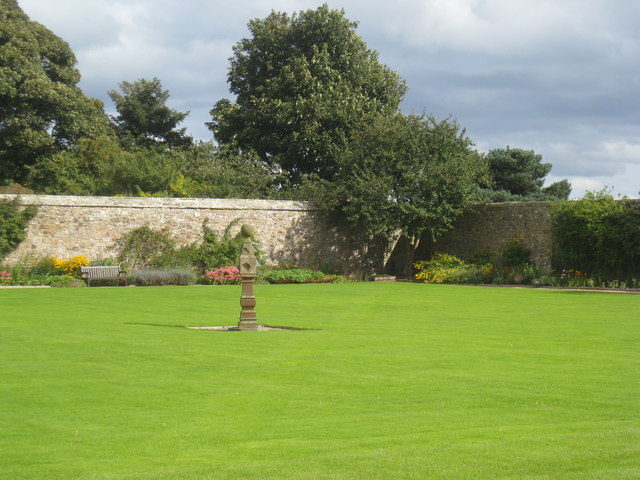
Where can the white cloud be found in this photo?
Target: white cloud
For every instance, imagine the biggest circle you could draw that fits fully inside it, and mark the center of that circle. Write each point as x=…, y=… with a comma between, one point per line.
x=560, y=77
x=501, y=27
x=580, y=185
x=622, y=150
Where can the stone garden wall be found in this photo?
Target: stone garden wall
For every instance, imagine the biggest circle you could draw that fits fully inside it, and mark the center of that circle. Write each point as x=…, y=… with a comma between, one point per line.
x=488, y=228
x=290, y=231
x=66, y=226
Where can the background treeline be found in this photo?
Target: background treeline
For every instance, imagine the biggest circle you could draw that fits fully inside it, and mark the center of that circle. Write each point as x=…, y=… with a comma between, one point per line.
x=307, y=88
x=314, y=115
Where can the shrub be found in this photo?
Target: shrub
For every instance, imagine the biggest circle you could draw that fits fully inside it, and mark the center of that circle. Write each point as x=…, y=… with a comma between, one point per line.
x=517, y=275
x=31, y=270
x=328, y=279
x=229, y=275
x=5, y=278
x=144, y=247
x=293, y=275
x=514, y=254
x=63, y=281
x=474, y=274
x=597, y=235
x=71, y=266
x=175, y=276
x=213, y=251
x=442, y=268
x=13, y=224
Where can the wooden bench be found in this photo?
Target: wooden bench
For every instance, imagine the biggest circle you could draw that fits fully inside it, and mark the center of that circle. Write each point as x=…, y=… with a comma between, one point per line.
x=104, y=273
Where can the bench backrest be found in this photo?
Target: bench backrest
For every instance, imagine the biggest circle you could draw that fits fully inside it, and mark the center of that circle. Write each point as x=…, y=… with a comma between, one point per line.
x=97, y=272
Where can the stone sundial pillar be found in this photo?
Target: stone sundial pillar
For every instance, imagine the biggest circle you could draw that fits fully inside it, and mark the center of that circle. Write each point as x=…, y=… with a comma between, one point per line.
x=248, y=267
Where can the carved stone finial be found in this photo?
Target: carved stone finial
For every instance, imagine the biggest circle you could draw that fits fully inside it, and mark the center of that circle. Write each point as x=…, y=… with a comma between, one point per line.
x=248, y=230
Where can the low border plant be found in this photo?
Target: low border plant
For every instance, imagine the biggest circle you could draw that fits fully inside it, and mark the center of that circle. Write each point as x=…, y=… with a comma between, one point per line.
x=155, y=277
x=229, y=275
x=298, y=275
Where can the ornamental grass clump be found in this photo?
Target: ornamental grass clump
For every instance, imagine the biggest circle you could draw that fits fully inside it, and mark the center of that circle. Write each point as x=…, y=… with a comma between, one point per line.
x=174, y=276
x=229, y=275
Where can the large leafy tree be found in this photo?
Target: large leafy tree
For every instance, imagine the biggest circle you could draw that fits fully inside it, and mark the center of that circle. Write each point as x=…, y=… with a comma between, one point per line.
x=303, y=84
x=518, y=175
x=42, y=110
x=144, y=117
x=411, y=175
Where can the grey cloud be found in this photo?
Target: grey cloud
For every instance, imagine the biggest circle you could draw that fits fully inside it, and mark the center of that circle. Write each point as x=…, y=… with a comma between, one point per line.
x=527, y=74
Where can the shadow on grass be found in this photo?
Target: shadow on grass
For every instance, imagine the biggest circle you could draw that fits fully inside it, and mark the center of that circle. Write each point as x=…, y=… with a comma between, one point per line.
x=155, y=325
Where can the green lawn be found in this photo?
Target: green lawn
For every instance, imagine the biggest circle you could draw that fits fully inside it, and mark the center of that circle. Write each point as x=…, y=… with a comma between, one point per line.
x=391, y=381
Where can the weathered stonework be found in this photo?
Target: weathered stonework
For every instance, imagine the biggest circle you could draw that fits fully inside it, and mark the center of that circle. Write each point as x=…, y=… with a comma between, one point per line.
x=66, y=226
x=289, y=231
x=488, y=228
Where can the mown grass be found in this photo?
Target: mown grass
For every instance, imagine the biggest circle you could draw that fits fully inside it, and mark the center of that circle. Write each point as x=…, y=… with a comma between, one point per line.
x=391, y=381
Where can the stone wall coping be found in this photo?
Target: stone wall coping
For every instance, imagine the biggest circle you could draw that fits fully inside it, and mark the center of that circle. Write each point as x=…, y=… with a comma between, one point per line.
x=545, y=203
x=158, y=202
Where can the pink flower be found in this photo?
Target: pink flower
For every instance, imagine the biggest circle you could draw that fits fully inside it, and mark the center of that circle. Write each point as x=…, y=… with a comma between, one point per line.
x=223, y=275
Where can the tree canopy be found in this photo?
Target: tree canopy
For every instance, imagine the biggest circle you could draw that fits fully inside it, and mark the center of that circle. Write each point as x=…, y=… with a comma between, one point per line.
x=144, y=117
x=518, y=175
x=42, y=109
x=303, y=83
x=402, y=174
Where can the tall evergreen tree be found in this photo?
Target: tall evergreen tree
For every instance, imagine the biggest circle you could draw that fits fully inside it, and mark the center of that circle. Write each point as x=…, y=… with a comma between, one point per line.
x=144, y=116
x=518, y=175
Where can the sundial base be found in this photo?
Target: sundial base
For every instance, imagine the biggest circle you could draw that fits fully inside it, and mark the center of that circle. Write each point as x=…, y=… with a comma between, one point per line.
x=248, y=325
x=236, y=328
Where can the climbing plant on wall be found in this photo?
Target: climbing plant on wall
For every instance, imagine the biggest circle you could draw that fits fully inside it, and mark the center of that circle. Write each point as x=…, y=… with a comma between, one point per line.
x=13, y=224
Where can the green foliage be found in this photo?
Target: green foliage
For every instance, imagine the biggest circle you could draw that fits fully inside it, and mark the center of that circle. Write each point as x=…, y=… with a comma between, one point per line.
x=514, y=254
x=144, y=117
x=411, y=174
x=597, y=235
x=213, y=251
x=518, y=175
x=294, y=275
x=37, y=271
x=225, y=172
x=13, y=224
x=162, y=277
x=442, y=268
x=42, y=110
x=511, y=266
x=303, y=83
x=441, y=260
x=558, y=190
x=519, y=172
x=144, y=247
x=65, y=281
x=522, y=274
x=102, y=167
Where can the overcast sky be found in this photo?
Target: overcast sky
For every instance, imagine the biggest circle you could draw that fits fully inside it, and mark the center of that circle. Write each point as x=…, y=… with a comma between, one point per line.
x=561, y=77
